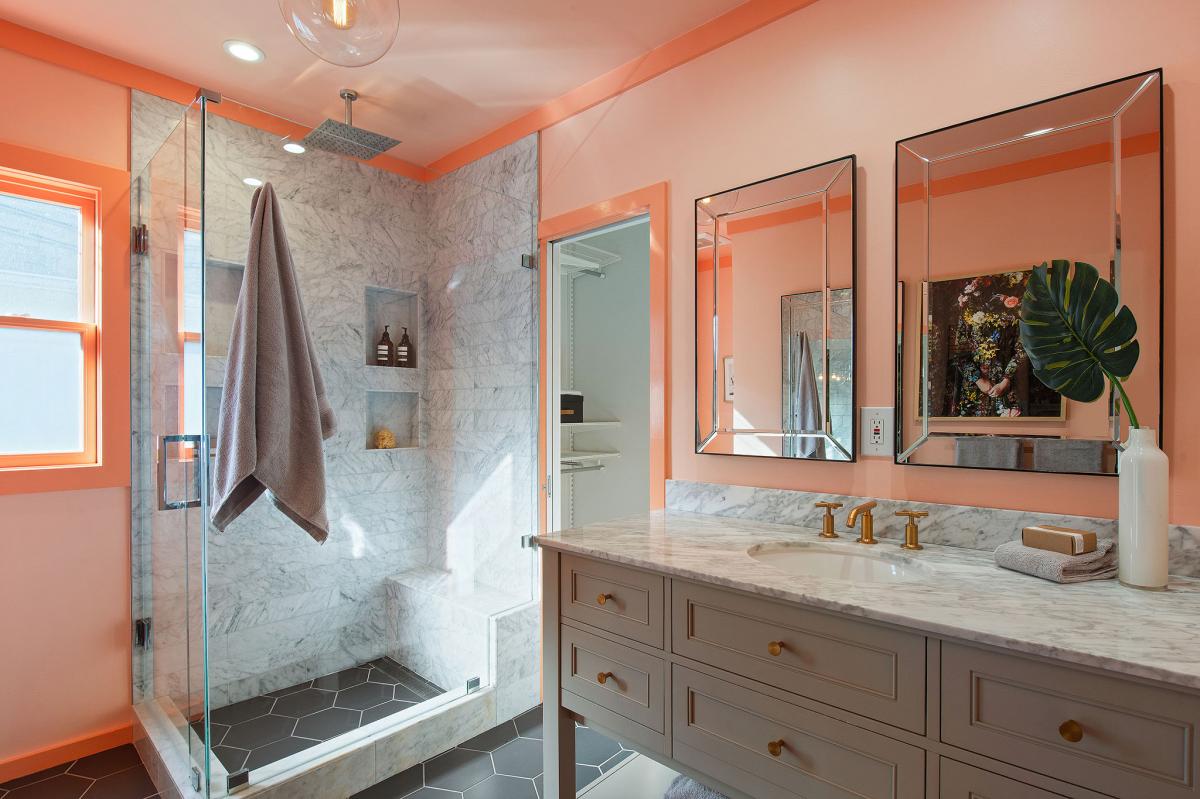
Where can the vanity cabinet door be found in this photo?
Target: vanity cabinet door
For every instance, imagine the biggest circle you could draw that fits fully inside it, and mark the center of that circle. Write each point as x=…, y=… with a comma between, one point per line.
x=1113, y=735
x=773, y=750
x=959, y=781
x=615, y=598
x=870, y=670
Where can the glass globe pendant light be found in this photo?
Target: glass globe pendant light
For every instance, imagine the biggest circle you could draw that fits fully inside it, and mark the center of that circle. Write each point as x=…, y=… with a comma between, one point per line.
x=348, y=33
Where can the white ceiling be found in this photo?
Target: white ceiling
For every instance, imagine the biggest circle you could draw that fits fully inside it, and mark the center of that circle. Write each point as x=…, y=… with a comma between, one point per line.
x=459, y=69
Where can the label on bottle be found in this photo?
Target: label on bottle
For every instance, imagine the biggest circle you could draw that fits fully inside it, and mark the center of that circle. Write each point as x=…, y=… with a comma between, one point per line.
x=381, y=353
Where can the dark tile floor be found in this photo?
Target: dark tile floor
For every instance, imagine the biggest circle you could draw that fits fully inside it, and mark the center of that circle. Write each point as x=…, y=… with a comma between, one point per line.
x=502, y=763
x=263, y=729
x=112, y=774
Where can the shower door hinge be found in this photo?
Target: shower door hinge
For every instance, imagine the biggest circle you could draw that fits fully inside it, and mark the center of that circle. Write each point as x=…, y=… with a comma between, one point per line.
x=529, y=261
x=141, y=632
x=195, y=779
x=141, y=240
x=473, y=685
x=527, y=542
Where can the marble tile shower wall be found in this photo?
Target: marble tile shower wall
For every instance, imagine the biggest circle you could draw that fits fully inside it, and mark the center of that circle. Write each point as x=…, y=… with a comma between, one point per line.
x=952, y=525
x=280, y=607
x=481, y=367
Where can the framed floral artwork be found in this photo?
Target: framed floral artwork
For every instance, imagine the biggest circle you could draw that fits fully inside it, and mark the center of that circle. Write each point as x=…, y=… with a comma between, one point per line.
x=977, y=366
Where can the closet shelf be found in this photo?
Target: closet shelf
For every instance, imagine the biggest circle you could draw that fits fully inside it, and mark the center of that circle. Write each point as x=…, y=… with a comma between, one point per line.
x=576, y=457
x=576, y=258
x=598, y=424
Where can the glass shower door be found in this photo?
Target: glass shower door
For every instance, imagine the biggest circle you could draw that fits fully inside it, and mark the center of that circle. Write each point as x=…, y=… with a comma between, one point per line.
x=169, y=492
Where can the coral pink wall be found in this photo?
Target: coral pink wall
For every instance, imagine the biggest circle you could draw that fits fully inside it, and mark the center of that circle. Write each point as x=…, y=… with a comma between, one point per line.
x=852, y=76
x=64, y=556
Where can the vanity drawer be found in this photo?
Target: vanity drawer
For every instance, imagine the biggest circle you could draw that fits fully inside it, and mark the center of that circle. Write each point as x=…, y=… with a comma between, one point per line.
x=959, y=781
x=874, y=671
x=728, y=731
x=625, y=601
x=1134, y=740
x=627, y=682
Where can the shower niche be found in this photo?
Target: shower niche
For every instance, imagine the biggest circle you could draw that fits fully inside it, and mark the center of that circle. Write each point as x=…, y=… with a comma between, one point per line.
x=399, y=311
x=396, y=412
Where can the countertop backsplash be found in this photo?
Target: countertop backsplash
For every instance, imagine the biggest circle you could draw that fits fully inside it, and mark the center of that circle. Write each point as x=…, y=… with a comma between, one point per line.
x=950, y=525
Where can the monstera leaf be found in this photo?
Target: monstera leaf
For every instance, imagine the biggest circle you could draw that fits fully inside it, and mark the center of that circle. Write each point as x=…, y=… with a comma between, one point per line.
x=1075, y=335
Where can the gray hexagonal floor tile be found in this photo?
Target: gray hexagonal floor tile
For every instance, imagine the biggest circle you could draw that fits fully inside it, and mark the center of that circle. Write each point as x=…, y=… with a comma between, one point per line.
x=502, y=787
x=258, y=732
x=382, y=711
x=277, y=751
x=325, y=724
x=363, y=696
x=458, y=769
x=302, y=703
x=592, y=748
x=347, y=678
x=243, y=711
x=529, y=723
x=521, y=757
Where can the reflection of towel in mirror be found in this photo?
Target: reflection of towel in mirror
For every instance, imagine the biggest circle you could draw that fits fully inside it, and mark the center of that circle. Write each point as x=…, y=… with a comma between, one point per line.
x=274, y=414
x=686, y=788
x=803, y=401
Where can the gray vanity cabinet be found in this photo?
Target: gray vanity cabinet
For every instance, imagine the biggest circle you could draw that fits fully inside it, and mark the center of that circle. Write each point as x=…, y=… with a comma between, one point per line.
x=765, y=699
x=960, y=781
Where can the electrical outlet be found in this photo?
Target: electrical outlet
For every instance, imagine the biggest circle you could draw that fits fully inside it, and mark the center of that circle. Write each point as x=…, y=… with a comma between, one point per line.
x=877, y=435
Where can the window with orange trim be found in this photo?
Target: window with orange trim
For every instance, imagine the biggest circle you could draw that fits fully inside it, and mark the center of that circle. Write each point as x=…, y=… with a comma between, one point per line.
x=48, y=321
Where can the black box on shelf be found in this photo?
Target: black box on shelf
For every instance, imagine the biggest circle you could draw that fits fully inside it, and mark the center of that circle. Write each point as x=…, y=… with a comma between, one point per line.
x=571, y=407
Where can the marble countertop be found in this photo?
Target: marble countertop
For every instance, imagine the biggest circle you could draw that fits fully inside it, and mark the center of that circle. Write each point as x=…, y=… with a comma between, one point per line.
x=1155, y=635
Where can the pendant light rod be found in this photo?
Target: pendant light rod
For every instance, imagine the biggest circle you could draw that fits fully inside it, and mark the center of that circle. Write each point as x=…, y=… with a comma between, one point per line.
x=349, y=95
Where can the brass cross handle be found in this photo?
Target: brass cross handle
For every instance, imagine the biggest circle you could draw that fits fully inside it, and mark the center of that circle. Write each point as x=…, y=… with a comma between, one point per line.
x=1071, y=731
x=775, y=748
x=775, y=648
x=827, y=522
x=604, y=677
x=600, y=600
x=911, y=531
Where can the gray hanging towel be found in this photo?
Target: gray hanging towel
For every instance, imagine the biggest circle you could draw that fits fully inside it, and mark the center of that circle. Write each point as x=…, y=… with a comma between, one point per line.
x=804, y=400
x=274, y=414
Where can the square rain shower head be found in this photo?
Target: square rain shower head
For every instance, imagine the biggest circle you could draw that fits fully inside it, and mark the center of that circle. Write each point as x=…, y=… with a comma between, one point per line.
x=338, y=137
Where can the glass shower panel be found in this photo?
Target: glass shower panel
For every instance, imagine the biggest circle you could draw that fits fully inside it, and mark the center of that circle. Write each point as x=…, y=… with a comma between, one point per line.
x=169, y=501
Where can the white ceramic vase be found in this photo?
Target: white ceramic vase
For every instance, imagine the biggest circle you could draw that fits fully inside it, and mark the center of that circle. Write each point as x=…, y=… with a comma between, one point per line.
x=1142, y=526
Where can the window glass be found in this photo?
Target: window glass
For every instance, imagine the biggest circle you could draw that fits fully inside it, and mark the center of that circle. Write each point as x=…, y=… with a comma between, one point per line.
x=46, y=413
x=40, y=246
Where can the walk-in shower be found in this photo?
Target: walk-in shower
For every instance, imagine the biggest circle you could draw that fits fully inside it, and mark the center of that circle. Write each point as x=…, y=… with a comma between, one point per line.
x=263, y=658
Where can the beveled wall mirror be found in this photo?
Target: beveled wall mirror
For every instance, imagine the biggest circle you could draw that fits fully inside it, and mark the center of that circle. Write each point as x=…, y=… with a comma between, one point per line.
x=978, y=205
x=775, y=338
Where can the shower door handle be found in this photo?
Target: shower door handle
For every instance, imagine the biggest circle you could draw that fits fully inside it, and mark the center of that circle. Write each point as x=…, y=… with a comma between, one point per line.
x=198, y=445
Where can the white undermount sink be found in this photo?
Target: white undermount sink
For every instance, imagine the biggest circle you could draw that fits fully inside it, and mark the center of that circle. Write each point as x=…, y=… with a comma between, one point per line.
x=835, y=562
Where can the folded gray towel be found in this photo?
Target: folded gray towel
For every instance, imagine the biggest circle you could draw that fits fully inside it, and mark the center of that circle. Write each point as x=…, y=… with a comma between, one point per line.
x=1057, y=567
x=687, y=788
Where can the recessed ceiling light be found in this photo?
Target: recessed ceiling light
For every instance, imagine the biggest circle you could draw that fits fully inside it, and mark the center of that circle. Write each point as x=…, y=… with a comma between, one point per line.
x=254, y=182
x=294, y=147
x=243, y=51
x=706, y=200
x=1039, y=132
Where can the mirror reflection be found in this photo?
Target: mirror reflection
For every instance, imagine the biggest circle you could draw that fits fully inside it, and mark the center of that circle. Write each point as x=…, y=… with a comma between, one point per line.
x=978, y=205
x=775, y=280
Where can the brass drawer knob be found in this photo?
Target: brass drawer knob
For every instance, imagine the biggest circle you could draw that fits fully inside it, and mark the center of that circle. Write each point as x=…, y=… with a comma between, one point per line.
x=1071, y=731
x=775, y=748
x=775, y=648
x=600, y=600
x=604, y=677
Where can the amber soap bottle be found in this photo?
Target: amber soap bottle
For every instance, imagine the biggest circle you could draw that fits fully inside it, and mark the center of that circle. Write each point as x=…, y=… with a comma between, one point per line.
x=385, y=350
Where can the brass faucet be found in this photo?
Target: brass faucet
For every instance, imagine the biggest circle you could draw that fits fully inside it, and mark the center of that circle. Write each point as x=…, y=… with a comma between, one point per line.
x=868, y=521
x=827, y=523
